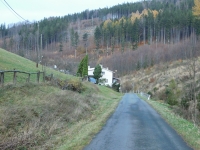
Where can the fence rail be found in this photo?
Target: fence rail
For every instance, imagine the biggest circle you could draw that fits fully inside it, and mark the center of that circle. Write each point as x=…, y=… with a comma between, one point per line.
x=15, y=72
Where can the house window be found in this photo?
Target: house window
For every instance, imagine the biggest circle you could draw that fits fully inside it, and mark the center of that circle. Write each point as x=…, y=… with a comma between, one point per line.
x=102, y=73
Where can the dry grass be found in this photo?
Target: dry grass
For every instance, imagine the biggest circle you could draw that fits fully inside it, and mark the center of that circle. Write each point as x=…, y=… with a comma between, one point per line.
x=31, y=115
x=34, y=116
x=86, y=129
x=42, y=116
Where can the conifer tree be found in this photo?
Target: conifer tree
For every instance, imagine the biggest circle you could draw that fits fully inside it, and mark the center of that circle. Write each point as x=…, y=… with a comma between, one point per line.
x=85, y=38
x=97, y=73
x=97, y=37
x=83, y=67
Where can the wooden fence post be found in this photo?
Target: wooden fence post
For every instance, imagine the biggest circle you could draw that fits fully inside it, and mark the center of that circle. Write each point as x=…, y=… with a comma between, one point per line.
x=51, y=78
x=2, y=78
x=38, y=76
x=44, y=76
x=14, y=77
x=28, y=80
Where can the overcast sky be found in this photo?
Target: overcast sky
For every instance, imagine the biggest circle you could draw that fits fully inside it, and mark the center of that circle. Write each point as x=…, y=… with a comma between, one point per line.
x=34, y=10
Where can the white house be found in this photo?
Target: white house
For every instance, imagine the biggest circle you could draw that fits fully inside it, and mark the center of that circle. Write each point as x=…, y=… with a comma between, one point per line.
x=107, y=75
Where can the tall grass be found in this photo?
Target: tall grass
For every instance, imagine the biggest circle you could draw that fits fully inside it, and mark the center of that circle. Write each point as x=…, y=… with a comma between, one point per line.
x=83, y=132
x=41, y=116
x=33, y=114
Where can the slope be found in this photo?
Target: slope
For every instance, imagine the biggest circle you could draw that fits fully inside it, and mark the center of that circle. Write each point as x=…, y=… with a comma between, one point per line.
x=42, y=116
x=10, y=61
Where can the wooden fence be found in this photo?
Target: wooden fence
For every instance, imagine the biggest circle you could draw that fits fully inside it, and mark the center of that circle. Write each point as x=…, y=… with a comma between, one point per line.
x=15, y=72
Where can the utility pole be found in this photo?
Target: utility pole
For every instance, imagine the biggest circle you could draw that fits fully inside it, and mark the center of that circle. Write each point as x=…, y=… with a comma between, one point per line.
x=38, y=47
x=41, y=46
x=41, y=56
x=156, y=42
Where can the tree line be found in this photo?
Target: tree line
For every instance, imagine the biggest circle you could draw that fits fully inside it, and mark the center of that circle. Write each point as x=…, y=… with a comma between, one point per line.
x=126, y=26
x=158, y=23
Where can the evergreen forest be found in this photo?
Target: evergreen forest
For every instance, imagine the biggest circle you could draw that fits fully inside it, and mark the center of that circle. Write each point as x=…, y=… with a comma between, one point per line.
x=103, y=32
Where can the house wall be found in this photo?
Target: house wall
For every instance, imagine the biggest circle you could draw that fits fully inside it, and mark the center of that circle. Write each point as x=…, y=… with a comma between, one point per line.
x=107, y=74
x=90, y=71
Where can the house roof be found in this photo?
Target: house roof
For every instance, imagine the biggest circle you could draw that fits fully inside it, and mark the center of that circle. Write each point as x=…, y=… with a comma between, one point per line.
x=90, y=69
x=107, y=69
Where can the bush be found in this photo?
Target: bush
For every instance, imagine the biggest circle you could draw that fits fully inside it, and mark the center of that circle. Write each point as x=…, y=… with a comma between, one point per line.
x=198, y=106
x=127, y=87
x=155, y=89
x=185, y=103
x=172, y=93
x=116, y=86
x=152, y=80
x=150, y=93
x=72, y=84
x=171, y=97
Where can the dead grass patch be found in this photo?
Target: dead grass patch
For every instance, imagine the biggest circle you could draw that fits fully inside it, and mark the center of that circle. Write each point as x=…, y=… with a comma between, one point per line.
x=31, y=115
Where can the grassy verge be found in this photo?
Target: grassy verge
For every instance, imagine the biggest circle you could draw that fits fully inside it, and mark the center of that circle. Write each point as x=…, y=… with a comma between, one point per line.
x=41, y=116
x=189, y=132
x=81, y=134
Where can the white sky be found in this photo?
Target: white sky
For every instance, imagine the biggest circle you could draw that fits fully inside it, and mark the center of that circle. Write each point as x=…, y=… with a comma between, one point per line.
x=34, y=10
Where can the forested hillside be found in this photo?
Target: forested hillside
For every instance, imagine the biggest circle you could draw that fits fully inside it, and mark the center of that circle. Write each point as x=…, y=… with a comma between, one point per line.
x=117, y=30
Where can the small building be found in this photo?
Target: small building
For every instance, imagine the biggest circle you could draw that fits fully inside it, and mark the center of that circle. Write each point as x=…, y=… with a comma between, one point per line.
x=107, y=75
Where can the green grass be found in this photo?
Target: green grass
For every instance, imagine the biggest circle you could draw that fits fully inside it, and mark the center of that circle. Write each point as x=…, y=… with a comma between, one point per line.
x=45, y=117
x=82, y=133
x=41, y=116
x=10, y=61
x=189, y=132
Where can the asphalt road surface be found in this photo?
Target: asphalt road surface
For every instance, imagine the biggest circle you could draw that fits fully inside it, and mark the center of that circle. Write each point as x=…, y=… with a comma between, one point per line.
x=136, y=126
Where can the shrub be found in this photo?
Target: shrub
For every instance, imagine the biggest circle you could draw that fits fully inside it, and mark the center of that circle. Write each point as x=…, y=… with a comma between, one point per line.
x=150, y=93
x=74, y=85
x=185, y=103
x=198, y=101
x=155, y=89
x=161, y=95
x=152, y=80
x=198, y=106
x=116, y=86
x=127, y=87
x=172, y=93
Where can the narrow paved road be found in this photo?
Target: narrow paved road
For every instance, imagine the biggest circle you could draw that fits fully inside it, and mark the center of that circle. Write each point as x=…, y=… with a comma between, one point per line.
x=136, y=126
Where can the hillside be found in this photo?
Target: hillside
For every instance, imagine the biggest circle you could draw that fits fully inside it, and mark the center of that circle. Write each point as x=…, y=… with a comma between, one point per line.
x=172, y=83
x=42, y=116
x=118, y=29
x=10, y=61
